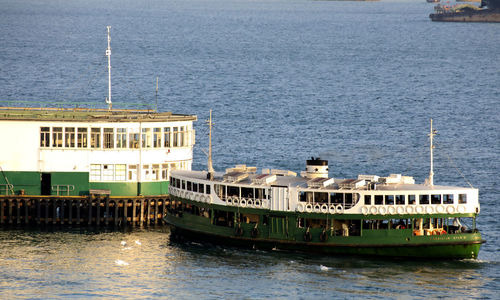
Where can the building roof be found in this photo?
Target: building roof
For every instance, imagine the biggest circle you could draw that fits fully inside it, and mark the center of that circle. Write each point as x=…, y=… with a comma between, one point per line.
x=89, y=115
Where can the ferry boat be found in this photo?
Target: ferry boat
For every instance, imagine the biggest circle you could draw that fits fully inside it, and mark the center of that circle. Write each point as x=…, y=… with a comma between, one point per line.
x=78, y=151
x=369, y=215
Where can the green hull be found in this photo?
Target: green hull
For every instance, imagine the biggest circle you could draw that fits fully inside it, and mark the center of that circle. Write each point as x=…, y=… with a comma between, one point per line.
x=280, y=232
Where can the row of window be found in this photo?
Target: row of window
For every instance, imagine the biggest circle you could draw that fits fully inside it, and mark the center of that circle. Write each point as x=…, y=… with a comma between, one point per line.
x=120, y=138
x=190, y=186
x=225, y=191
x=412, y=199
x=349, y=199
x=123, y=172
x=352, y=198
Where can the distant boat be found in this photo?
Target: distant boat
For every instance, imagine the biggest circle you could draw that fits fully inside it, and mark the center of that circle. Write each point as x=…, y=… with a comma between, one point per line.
x=433, y=1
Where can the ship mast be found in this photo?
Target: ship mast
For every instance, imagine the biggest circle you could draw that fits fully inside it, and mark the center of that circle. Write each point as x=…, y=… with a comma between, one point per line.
x=108, y=54
x=431, y=148
x=209, y=162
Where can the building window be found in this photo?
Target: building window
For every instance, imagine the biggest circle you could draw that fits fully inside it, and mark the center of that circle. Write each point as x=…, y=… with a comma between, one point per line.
x=120, y=172
x=176, y=137
x=44, y=136
x=182, y=136
x=145, y=173
x=121, y=138
x=133, y=139
x=108, y=172
x=57, y=137
x=95, y=137
x=164, y=172
x=81, y=138
x=132, y=172
x=95, y=172
x=166, y=138
x=155, y=172
x=156, y=137
x=109, y=140
x=69, y=137
x=146, y=138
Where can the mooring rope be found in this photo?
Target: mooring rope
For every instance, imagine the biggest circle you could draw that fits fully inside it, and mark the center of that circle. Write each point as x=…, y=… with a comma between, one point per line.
x=454, y=165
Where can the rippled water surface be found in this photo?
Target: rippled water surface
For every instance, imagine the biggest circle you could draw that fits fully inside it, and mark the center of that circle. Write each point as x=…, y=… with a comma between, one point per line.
x=353, y=82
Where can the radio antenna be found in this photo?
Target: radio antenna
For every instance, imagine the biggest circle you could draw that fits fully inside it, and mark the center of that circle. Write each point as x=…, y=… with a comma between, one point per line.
x=108, y=54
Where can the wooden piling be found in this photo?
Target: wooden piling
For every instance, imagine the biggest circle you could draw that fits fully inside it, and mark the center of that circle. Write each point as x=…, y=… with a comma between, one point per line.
x=78, y=206
x=98, y=210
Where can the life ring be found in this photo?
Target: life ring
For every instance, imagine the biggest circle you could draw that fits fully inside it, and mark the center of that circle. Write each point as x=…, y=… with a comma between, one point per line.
x=382, y=210
x=238, y=231
x=419, y=209
x=339, y=209
x=307, y=236
x=317, y=208
x=331, y=209
x=243, y=202
x=440, y=209
x=250, y=203
x=229, y=200
x=255, y=232
x=265, y=204
x=364, y=210
x=391, y=210
x=323, y=236
x=400, y=210
x=324, y=208
x=236, y=201
x=409, y=209
x=450, y=209
x=461, y=209
x=429, y=209
x=373, y=210
x=257, y=203
x=309, y=207
x=300, y=207
x=208, y=199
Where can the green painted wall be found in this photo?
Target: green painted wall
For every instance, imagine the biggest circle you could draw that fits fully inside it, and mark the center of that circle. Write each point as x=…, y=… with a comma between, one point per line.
x=30, y=182
x=27, y=181
x=80, y=181
x=116, y=188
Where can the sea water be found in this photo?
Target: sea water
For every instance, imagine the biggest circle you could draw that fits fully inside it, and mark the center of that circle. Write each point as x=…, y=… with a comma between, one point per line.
x=355, y=83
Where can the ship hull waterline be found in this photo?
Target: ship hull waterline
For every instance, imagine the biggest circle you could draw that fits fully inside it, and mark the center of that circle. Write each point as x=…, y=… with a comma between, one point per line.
x=467, y=246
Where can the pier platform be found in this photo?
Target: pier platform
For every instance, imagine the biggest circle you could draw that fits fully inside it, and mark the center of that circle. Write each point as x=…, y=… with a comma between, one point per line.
x=98, y=209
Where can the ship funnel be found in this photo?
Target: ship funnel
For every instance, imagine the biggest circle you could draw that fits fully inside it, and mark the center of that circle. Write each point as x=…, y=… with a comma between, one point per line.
x=316, y=168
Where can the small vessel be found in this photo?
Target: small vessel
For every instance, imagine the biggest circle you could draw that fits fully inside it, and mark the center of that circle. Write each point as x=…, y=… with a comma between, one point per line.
x=369, y=215
x=433, y=1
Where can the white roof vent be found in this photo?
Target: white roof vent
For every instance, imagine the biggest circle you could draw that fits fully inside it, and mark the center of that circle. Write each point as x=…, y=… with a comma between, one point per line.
x=352, y=183
x=235, y=176
x=319, y=182
x=264, y=179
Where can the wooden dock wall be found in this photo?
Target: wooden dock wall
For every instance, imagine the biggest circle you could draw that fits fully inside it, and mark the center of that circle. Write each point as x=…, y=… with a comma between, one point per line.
x=95, y=210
